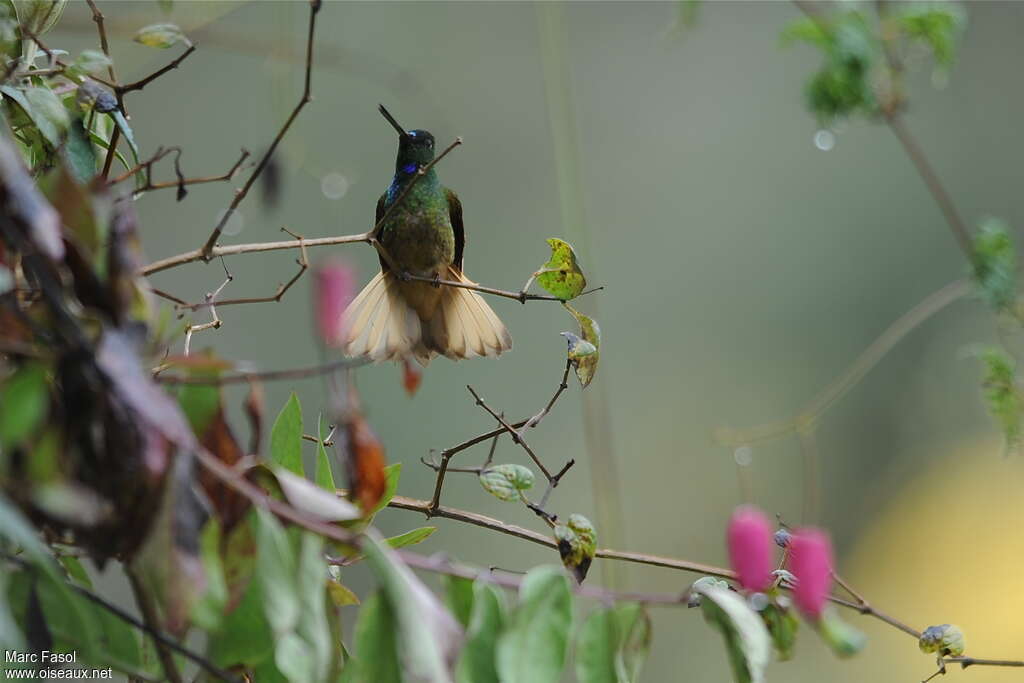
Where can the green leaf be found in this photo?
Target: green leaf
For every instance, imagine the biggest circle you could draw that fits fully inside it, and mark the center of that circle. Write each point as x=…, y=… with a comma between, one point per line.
x=39, y=16
x=532, y=648
x=208, y=608
x=79, y=154
x=585, y=361
x=313, y=628
x=995, y=265
x=561, y=275
x=276, y=567
x=245, y=637
x=76, y=572
x=577, y=544
x=129, y=137
x=25, y=397
x=505, y=482
x=92, y=61
x=946, y=639
x=411, y=537
x=612, y=645
x=782, y=625
x=11, y=637
x=937, y=25
x=161, y=35
x=392, y=472
x=458, y=597
x=286, y=436
x=200, y=403
x=341, y=595
x=44, y=109
x=376, y=643
x=478, y=660
x=845, y=640
x=746, y=639
x=428, y=635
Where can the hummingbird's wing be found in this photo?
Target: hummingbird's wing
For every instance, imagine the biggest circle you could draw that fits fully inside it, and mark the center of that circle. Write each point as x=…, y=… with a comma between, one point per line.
x=455, y=212
x=380, y=214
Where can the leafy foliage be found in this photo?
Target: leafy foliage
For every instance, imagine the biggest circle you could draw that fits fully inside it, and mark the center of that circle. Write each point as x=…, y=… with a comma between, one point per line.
x=995, y=266
x=1004, y=401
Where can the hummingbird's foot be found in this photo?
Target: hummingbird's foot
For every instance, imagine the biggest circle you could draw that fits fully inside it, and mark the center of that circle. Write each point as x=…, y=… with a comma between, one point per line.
x=437, y=281
x=405, y=276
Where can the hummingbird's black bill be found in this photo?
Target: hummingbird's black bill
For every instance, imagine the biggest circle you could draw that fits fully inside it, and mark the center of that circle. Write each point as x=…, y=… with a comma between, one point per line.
x=391, y=119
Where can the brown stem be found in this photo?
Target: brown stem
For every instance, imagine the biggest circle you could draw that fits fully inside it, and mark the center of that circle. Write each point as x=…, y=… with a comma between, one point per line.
x=516, y=438
x=149, y=615
x=931, y=180
x=270, y=375
x=206, y=253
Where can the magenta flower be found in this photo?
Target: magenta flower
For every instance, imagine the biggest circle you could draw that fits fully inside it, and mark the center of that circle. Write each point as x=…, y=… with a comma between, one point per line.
x=810, y=561
x=334, y=288
x=750, y=547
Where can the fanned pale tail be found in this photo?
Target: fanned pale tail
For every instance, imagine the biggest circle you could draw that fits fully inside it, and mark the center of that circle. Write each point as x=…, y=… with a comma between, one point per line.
x=393, y=320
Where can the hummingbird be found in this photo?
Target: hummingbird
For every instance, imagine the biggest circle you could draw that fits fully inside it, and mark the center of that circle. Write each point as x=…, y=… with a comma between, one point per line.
x=394, y=318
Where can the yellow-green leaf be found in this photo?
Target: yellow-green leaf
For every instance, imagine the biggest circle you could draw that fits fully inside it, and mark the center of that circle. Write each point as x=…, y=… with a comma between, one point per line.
x=161, y=35
x=584, y=360
x=561, y=275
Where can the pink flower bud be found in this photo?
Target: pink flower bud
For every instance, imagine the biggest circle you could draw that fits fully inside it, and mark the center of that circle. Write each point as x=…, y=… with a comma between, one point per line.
x=750, y=547
x=810, y=561
x=334, y=287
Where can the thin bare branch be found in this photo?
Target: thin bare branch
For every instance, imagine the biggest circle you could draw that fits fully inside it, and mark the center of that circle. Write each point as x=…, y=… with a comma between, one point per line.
x=207, y=250
x=148, y=610
x=143, y=82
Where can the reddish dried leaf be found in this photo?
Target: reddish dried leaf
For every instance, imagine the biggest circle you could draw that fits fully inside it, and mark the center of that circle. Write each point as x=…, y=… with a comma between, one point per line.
x=254, y=411
x=411, y=377
x=229, y=504
x=367, y=479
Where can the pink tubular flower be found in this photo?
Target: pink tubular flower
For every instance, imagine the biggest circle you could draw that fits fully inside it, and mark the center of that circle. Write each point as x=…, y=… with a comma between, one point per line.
x=811, y=564
x=750, y=547
x=334, y=287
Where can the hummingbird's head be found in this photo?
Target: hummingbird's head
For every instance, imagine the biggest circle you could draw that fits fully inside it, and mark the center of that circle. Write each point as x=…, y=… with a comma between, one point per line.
x=415, y=147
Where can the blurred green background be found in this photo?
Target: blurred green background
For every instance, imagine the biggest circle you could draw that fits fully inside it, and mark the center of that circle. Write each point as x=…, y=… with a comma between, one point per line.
x=744, y=269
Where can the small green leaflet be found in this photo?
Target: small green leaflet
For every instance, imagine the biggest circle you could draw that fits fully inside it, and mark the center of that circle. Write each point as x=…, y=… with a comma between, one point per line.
x=561, y=275
x=286, y=436
x=505, y=482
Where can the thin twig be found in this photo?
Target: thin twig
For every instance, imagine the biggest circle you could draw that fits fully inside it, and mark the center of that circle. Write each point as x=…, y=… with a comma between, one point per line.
x=207, y=251
x=519, y=427
x=516, y=438
x=303, y=263
x=865, y=362
x=149, y=615
x=268, y=375
x=143, y=82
